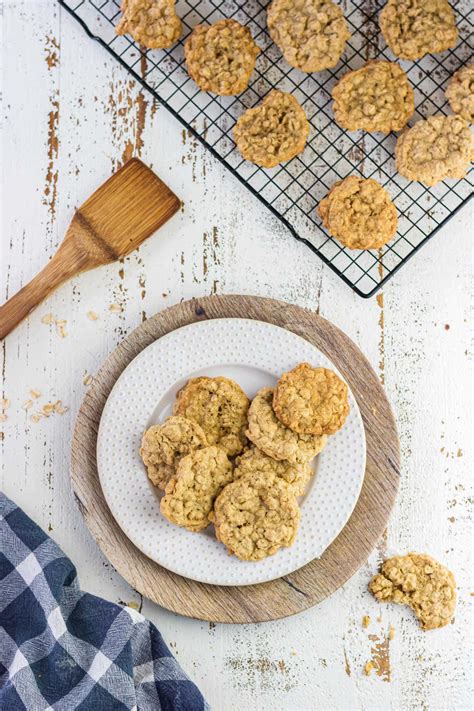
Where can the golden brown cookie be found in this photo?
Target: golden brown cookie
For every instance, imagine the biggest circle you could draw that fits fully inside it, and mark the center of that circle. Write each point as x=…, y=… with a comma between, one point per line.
x=413, y=28
x=311, y=400
x=376, y=97
x=190, y=494
x=422, y=583
x=434, y=149
x=256, y=517
x=272, y=132
x=164, y=445
x=221, y=57
x=152, y=23
x=311, y=34
x=254, y=462
x=359, y=213
x=460, y=92
x=220, y=407
x=271, y=436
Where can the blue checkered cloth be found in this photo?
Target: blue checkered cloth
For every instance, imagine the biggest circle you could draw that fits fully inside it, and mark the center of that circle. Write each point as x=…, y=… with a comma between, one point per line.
x=63, y=649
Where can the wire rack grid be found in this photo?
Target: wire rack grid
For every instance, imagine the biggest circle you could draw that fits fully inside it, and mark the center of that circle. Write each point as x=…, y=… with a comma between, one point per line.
x=292, y=190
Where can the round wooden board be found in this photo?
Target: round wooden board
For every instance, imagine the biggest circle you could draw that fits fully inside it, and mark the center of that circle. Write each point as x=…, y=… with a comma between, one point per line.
x=306, y=586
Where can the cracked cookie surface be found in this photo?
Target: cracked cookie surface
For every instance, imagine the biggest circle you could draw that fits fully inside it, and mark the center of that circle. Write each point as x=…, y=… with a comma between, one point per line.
x=376, y=97
x=311, y=34
x=152, y=23
x=164, y=445
x=272, y=132
x=311, y=400
x=255, y=517
x=460, y=92
x=219, y=406
x=190, y=494
x=255, y=463
x=221, y=57
x=359, y=213
x=419, y=581
x=434, y=149
x=271, y=436
x=413, y=28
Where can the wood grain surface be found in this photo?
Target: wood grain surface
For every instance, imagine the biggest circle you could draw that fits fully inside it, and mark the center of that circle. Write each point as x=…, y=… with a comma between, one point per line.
x=315, y=581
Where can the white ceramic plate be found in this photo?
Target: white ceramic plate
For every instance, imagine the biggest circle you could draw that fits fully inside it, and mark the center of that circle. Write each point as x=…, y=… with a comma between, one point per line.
x=254, y=354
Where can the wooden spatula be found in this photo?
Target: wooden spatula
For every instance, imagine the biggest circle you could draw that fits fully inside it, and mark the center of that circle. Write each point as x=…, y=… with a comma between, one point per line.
x=113, y=222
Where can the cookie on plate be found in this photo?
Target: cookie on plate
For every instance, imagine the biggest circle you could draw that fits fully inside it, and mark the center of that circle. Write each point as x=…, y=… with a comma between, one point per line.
x=152, y=23
x=311, y=34
x=254, y=463
x=272, y=437
x=272, y=132
x=311, y=400
x=419, y=581
x=255, y=517
x=190, y=494
x=434, y=149
x=413, y=28
x=221, y=57
x=460, y=92
x=376, y=97
x=359, y=213
x=164, y=445
x=220, y=407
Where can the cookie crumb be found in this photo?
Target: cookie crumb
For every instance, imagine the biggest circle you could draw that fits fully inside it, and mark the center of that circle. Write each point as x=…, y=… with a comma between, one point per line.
x=115, y=308
x=365, y=621
x=27, y=404
x=35, y=394
x=47, y=319
x=368, y=668
x=87, y=379
x=92, y=316
x=3, y=417
x=391, y=632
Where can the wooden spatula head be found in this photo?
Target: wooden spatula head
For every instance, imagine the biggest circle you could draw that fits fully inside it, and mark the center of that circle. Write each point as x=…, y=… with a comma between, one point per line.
x=121, y=214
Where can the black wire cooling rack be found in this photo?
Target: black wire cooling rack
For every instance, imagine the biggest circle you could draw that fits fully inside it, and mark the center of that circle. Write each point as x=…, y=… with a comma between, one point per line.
x=292, y=191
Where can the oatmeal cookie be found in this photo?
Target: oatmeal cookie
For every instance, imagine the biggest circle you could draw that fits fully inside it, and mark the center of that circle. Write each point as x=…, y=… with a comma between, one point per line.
x=255, y=517
x=419, y=581
x=377, y=97
x=434, y=149
x=271, y=436
x=413, y=28
x=221, y=57
x=460, y=92
x=272, y=132
x=190, y=494
x=220, y=407
x=152, y=23
x=253, y=463
x=311, y=400
x=311, y=34
x=359, y=213
x=164, y=445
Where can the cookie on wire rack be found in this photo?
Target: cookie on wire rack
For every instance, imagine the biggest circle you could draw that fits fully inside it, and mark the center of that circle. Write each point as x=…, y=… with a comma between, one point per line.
x=376, y=97
x=221, y=57
x=152, y=23
x=273, y=132
x=460, y=92
x=359, y=213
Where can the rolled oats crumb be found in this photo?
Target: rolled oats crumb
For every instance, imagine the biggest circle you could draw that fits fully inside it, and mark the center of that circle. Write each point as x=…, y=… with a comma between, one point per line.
x=311, y=400
x=359, y=213
x=272, y=132
x=221, y=57
x=87, y=379
x=115, y=308
x=460, y=92
x=391, y=632
x=434, y=149
x=376, y=97
x=152, y=23
x=36, y=417
x=5, y=403
x=365, y=621
x=368, y=668
x=3, y=417
x=35, y=394
x=61, y=327
x=413, y=28
x=47, y=319
x=27, y=404
x=311, y=34
x=59, y=408
x=48, y=409
x=92, y=316
x=419, y=581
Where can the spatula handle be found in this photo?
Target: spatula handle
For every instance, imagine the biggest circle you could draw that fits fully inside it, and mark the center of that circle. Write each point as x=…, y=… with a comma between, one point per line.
x=28, y=298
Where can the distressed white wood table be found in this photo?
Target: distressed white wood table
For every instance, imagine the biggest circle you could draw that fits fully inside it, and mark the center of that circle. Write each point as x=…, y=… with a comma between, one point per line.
x=70, y=117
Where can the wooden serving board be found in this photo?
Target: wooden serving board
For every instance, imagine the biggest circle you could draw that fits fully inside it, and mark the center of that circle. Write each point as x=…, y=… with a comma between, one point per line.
x=306, y=586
